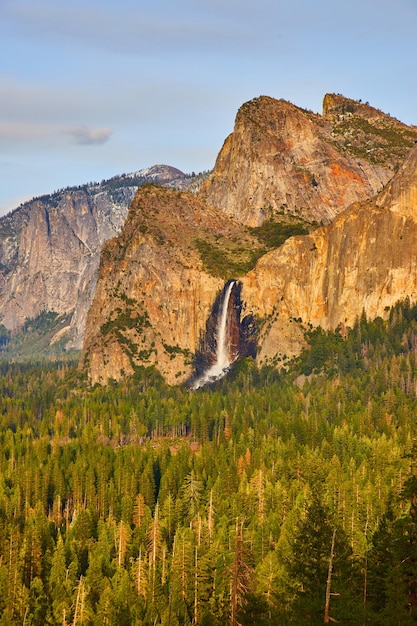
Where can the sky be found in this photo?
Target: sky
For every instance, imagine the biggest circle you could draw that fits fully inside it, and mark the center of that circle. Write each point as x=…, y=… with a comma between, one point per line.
x=94, y=88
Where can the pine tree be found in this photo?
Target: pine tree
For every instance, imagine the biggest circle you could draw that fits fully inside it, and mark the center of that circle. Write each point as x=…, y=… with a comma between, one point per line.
x=393, y=563
x=60, y=583
x=182, y=577
x=319, y=553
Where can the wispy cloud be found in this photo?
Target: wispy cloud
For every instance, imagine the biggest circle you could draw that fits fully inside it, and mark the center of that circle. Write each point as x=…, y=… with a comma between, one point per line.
x=81, y=135
x=89, y=136
x=24, y=131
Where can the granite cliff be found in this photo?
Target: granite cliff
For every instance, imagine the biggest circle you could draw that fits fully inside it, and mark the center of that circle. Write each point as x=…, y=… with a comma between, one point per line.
x=281, y=159
x=282, y=171
x=50, y=248
x=365, y=260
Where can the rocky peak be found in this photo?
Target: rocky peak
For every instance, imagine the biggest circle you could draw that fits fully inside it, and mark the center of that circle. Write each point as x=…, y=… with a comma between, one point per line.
x=368, y=133
x=337, y=107
x=282, y=160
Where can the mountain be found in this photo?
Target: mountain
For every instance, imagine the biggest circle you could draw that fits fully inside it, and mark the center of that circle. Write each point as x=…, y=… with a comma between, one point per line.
x=281, y=159
x=50, y=248
x=156, y=290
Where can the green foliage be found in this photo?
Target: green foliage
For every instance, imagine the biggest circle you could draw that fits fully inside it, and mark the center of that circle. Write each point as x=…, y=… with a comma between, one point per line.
x=273, y=234
x=124, y=320
x=37, y=340
x=4, y=336
x=308, y=565
x=227, y=259
x=373, y=141
x=367, y=341
x=139, y=503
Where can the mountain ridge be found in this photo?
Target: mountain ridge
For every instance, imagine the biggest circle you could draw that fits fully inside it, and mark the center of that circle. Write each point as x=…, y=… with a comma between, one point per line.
x=283, y=170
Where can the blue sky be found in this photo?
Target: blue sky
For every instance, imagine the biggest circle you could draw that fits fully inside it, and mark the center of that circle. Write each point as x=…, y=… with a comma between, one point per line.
x=94, y=88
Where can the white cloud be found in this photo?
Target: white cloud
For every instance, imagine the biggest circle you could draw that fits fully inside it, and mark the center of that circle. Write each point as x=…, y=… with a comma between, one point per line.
x=82, y=135
x=87, y=137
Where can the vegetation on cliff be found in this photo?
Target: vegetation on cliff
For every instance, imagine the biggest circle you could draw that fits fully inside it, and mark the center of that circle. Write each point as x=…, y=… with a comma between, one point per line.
x=140, y=503
x=367, y=132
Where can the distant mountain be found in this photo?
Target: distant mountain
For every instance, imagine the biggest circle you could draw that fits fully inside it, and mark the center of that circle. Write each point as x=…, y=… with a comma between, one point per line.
x=50, y=248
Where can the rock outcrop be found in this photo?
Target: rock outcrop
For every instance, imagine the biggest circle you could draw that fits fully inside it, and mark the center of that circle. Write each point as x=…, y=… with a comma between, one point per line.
x=160, y=278
x=281, y=159
x=162, y=269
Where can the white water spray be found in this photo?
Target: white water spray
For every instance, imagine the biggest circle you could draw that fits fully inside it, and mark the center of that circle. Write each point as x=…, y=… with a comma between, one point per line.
x=222, y=362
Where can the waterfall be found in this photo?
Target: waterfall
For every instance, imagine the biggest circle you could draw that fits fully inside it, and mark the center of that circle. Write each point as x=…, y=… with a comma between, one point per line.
x=222, y=363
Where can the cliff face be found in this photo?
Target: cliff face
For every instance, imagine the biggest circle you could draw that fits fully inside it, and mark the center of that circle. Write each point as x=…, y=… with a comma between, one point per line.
x=281, y=159
x=160, y=277
x=155, y=303
x=365, y=260
x=50, y=248
x=154, y=295
x=49, y=257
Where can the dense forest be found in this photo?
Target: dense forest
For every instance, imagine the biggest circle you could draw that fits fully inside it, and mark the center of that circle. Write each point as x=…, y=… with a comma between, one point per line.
x=275, y=497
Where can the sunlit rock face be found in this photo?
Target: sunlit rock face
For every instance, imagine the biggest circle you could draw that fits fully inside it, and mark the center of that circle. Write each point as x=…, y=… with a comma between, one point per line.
x=154, y=294
x=365, y=260
x=158, y=300
x=281, y=159
x=280, y=163
x=155, y=304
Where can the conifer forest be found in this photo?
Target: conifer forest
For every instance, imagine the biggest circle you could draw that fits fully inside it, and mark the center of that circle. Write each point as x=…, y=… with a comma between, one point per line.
x=277, y=496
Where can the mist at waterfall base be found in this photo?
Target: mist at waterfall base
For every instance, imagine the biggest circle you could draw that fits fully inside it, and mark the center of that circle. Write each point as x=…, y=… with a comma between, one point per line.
x=227, y=339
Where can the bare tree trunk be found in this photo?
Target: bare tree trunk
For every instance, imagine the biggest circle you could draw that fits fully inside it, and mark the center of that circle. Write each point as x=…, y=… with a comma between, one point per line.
x=195, y=620
x=234, y=598
x=79, y=603
x=327, y=617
